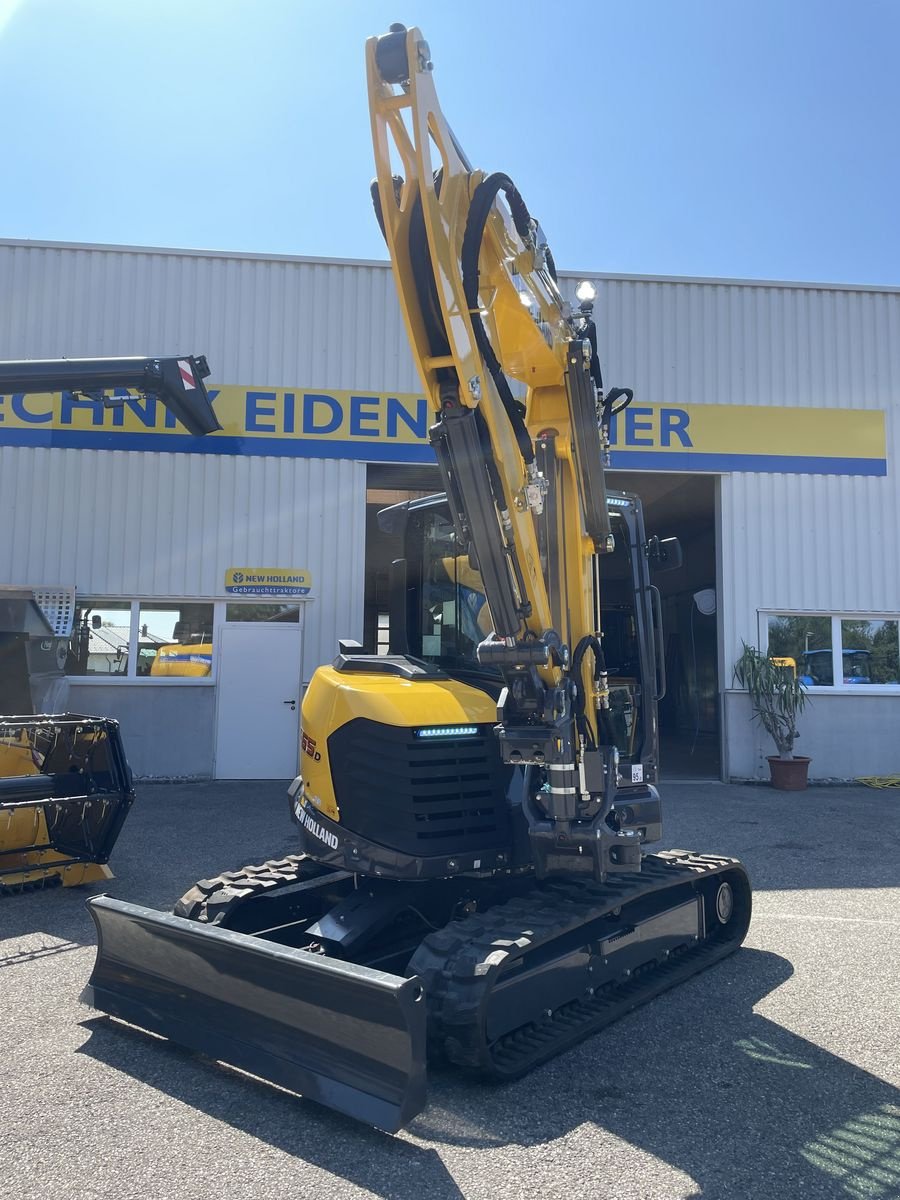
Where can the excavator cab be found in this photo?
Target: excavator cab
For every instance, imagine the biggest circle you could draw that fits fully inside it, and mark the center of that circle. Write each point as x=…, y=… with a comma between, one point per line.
x=439, y=614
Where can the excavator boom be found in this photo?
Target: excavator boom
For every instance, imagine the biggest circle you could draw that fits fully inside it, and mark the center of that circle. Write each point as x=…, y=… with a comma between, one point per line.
x=524, y=476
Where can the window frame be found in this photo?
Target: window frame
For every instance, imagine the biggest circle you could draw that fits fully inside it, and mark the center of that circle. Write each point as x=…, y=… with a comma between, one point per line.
x=837, y=663
x=131, y=678
x=250, y=602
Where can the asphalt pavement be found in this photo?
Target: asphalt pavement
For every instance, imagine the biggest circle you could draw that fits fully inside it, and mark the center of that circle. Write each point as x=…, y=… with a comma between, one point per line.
x=775, y=1074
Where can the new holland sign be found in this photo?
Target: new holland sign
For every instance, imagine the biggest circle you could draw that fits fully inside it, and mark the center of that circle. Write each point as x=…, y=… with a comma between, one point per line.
x=375, y=427
x=267, y=581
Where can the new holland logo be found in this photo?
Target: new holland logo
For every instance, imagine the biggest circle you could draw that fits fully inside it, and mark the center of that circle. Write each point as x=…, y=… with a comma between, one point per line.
x=313, y=826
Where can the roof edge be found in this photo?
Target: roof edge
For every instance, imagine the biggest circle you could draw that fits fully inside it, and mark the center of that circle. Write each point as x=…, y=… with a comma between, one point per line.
x=324, y=260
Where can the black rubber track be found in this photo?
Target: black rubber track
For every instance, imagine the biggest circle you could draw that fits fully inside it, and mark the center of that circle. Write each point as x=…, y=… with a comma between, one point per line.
x=213, y=901
x=460, y=963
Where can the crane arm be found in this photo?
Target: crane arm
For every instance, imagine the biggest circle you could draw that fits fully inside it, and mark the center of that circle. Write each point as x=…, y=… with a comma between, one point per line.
x=177, y=382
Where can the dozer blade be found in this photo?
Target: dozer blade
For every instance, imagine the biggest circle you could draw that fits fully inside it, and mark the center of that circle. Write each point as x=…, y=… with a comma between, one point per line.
x=347, y=1036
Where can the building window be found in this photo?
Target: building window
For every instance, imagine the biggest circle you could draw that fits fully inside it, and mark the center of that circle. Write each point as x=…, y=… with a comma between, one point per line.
x=101, y=637
x=150, y=639
x=871, y=651
x=279, y=613
x=174, y=641
x=844, y=652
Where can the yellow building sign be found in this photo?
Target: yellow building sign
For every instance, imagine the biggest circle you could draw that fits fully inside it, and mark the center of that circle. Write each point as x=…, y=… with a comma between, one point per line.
x=267, y=581
x=380, y=427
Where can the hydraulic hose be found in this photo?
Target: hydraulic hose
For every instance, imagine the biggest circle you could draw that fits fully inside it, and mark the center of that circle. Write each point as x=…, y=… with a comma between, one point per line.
x=420, y=262
x=589, y=642
x=479, y=211
x=590, y=330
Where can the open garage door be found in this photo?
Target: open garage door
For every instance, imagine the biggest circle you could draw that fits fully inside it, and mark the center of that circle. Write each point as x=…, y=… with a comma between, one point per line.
x=684, y=506
x=675, y=505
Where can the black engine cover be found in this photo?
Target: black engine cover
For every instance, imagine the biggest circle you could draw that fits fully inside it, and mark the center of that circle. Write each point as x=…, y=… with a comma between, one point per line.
x=420, y=796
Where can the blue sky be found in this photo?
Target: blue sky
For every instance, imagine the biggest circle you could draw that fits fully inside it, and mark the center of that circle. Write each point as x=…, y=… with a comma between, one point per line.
x=700, y=137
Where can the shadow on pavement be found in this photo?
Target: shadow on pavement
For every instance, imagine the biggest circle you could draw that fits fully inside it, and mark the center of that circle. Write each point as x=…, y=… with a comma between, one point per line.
x=702, y=1082
x=697, y=1079
x=384, y=1165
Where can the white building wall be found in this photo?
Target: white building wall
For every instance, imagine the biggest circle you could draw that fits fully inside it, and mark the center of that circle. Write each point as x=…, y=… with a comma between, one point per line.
x=134, y=524
x=789, y=542
x=168, y=524
x=828, y=543
x=797, y=541
x=707, y=341
x=265, y=321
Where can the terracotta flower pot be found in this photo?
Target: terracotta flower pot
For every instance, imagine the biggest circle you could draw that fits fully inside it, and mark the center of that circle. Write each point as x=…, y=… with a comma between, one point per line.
x=789, y=774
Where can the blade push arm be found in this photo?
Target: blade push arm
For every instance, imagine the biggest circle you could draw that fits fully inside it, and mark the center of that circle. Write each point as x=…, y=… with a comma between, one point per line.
x=523, y=466
x=176, y=382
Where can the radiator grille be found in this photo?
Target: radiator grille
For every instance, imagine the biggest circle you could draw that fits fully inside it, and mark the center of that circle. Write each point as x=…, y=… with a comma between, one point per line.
x=420, y=796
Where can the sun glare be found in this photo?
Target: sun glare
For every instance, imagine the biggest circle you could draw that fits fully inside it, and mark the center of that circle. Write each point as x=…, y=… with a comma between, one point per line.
x=7, y=12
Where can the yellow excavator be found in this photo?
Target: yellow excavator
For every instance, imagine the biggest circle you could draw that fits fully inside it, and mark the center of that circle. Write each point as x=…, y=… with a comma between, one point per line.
x=65, y=784
x=474, y=807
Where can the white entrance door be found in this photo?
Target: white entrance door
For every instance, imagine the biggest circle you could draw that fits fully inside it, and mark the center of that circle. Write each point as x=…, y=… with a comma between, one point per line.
x=258, y=711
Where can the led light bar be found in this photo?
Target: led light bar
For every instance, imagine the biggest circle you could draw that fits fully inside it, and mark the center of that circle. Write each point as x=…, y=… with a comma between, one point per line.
x=617, y=502
x=447, y=731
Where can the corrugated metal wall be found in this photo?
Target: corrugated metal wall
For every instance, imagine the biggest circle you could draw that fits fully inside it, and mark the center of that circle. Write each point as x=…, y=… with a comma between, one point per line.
x=113, y=523
x=744, y=343
x=822, y=542
x=259, y=320
x=786, y=541
x=792, y=542
x=160, y=524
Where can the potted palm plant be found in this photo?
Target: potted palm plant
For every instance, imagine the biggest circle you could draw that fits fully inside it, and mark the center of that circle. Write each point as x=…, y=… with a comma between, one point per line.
x=777, y=697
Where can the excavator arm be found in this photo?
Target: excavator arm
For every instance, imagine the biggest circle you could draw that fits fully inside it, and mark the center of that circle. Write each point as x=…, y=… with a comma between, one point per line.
x=521, y=435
